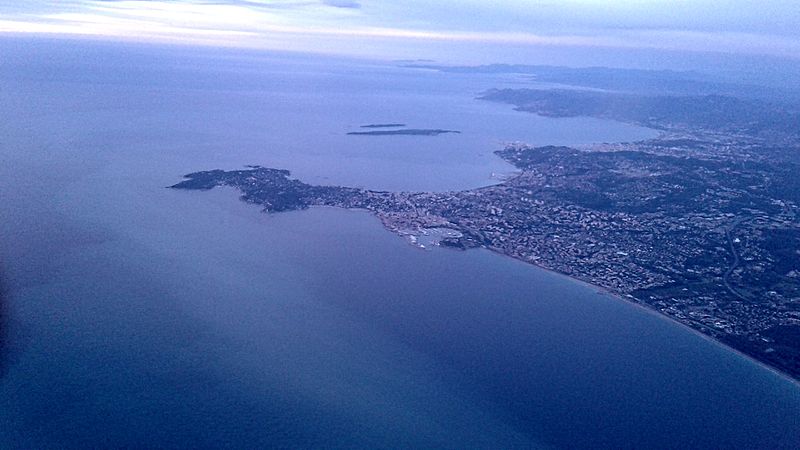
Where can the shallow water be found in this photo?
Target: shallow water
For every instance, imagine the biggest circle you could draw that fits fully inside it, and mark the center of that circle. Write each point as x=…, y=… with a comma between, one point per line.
x=139, y=314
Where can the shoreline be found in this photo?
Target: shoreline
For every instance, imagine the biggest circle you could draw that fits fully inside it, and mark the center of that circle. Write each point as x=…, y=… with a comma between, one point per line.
x=599, y=290
x=646, y=308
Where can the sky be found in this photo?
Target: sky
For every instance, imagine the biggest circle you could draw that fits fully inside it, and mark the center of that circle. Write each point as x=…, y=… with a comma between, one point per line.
x=455, y=30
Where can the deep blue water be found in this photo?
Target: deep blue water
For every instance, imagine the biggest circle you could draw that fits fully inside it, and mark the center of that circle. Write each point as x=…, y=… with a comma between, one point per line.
x=141, y=316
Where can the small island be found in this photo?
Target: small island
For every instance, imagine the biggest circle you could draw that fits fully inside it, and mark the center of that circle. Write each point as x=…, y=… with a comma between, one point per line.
x=403, y=132
x=384, y=125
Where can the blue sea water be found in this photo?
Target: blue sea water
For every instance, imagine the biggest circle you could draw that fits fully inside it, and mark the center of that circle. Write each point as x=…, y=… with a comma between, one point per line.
x=142, y=316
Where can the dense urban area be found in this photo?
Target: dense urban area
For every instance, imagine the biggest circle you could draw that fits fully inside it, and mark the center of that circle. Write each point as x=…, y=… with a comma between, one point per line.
x=700, y=224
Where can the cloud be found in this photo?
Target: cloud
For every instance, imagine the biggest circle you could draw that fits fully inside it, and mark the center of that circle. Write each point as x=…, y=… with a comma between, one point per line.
x=348, y=27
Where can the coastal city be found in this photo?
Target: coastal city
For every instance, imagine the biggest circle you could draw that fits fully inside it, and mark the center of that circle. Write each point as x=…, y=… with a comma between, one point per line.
x=700, y=224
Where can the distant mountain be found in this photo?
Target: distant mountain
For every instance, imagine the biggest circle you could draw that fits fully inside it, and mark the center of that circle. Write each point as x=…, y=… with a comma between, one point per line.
x=630, y=80
x=774, y=123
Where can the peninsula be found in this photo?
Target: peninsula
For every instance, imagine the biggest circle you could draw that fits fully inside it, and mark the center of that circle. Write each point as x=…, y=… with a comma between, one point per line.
x=700, y=224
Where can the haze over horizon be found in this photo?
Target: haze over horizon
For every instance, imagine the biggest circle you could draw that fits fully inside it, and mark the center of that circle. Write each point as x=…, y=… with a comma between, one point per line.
x=452, y=31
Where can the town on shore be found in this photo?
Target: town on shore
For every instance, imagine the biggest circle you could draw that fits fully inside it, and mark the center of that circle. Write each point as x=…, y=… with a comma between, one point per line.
x=700, y=224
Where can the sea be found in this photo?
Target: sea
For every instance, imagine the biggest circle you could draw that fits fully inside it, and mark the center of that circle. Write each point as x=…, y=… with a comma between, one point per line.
x=136, y=316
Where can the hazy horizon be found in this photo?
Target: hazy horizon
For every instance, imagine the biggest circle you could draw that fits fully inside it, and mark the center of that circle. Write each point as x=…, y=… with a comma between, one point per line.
x=579, y=32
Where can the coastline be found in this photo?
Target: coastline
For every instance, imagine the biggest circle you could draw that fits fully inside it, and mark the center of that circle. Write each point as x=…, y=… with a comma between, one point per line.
x=599, y=290
x=604, y=291
x=276, y=191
